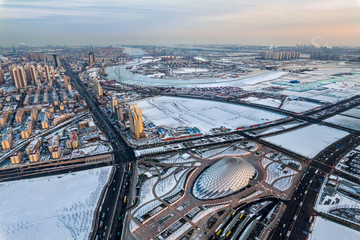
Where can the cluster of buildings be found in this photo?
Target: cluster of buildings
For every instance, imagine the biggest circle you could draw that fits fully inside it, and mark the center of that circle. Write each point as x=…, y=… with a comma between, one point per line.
x=29, y=74
x=280, y=55
x=34, y=98
x=133, y=113
x=55, y=145
x=221, y=93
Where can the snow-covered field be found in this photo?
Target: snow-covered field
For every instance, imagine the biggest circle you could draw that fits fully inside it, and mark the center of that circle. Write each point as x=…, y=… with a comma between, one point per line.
x=185, y=112
x=307, y=141
x=327, y=230
x=93, y=148
x=299, y=106
x=56, y=207
x=345, y=121
x=272, y=102
x=289, y=105
x=354, y=112
x=284, y=183
x=190, y=70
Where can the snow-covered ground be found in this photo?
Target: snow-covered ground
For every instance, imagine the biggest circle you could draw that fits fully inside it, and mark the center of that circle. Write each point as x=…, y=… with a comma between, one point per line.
x=299, y=106
x=327, y=230
x=146, y=194
x=56, y=207
x=289, y=105
x=172, y=112
x=273, y=173
x=91, y=149
x=265, y=162
x=284, y=183
x=277, y=128
x=178, y=158
x=272, y=102
x=354, y=112
x=307, y=141
x=345, y=121
x=190, y=70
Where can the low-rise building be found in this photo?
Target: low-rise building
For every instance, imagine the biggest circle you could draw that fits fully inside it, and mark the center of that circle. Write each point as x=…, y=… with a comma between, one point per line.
x=73, y=141
x=7, y=138
x=53, y=142
x=34, y=144
x=34, y=155
x=16, y=158
x=56, y=153
x=19, y=115
x=61, y=118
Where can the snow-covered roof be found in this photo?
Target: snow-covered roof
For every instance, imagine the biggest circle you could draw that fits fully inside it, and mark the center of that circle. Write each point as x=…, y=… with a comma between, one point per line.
x=223, y=178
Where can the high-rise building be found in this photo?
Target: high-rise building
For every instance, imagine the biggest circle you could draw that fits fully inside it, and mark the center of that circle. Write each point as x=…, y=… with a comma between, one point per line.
x=12, y=73
x=47, y=72
x=41, y=72
x=66, y=80
x=31, y=57
x=114, y=103
x=2, y=78
x=97, y=87
x=119, y=113
x=19, y=77
x=52, y=73
x=91, y=58
x=136, y=122
x=57, y=61
x=28, y=72
x=33, y=75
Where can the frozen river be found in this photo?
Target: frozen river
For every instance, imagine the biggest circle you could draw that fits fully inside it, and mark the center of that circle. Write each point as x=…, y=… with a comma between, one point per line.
x=121, y=74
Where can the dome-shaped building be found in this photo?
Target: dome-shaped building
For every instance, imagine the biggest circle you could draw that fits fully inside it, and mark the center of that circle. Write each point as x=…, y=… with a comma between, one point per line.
x=223, y=178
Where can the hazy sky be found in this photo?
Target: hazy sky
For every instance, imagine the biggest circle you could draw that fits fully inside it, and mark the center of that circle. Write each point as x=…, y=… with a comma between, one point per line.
x=82, y=22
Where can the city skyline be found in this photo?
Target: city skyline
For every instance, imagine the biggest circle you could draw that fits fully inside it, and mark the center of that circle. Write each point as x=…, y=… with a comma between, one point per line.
x=186, y=22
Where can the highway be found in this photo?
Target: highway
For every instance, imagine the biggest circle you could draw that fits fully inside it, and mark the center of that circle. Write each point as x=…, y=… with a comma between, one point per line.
x=52, y=167
x=109, y=220
x=283, y=229
x=300, y=208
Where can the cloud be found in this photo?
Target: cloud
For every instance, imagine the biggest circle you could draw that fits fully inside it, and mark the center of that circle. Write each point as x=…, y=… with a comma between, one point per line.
x=186, y=20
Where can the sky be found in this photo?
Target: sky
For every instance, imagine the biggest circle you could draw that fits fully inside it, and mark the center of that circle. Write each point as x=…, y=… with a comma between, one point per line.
x=112, y=22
